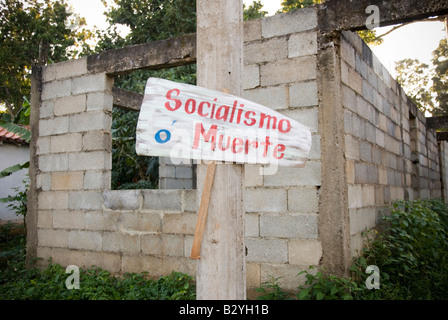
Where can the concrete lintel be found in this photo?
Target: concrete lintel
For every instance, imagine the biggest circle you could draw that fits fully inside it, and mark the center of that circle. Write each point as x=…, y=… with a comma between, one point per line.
x=127, y=100
x=154, y=55
x=351, y=15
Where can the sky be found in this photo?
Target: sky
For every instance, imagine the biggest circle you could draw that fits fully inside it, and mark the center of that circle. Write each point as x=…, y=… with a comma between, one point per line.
x=414, y=41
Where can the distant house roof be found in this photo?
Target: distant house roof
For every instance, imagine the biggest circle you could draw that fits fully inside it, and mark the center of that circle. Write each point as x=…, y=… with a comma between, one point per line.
x=11, y=137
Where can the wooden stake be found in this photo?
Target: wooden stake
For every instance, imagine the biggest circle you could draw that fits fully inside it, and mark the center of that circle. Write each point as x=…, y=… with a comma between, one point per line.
x=203, y=209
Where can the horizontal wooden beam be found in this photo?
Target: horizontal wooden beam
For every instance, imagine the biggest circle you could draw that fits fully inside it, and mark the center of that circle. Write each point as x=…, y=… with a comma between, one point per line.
x=338, y=15
x=151, y=56
x=437, y=122
x=127, y=100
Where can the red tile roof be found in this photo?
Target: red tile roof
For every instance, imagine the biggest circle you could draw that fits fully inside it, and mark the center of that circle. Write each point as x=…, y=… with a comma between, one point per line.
x=11, y=137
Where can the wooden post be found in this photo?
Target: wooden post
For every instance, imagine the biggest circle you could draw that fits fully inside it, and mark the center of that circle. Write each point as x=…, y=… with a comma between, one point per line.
x=221, y=269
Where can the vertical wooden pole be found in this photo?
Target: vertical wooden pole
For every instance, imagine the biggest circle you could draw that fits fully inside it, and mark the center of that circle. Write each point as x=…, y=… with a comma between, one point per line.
x=221, y=269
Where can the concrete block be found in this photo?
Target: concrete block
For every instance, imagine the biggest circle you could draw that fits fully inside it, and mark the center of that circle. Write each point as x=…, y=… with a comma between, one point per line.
x=362, y=219
x=49, y=73
x=355, y=196
x=303, y=94
x=354, y=80
x=65, y=219
x=266, y=250
x=89, y=121
x=288, y=70
x=44, y=181
x=98, y=101
x=71, y=68
x=175, y=183
x=350, y=169
x=167, y=172
x=290, y=22
x=365, y=173
x=140, y=222
x=66, y=257
x=252, y=175
x=179, y=223
x=287, y=274
x=91, y=83
x=348, y=52
x=368, y=196
x=69, y=105
x=139, y=263
x=66, y=143
x=162, y=200
x=253, y=276
x=52, y=238
x=351, y=147
x=67, y=180
x=167, y=245
x=265, y=200
x=94, y=160
x=43, y=145
x=45, y=219
x=53, y=200
x=121, y=242
x=252, y=30
x=184, y=172
x=46, y=109
x=310, y=175
x=251, y=225
x=305, y=252
x=251, y=76
x=302, y=44
x=365, y=151
x=306, y=116
x=85, y=200
x=190, y=203
x=273, y=97
x=56, y=89
x=107, y=261
x=58, y=125
x=102, y=220
x=302, y=226
x=96, y=140
x=265, y=50
x=96, y=180
x=121, y=199
x=303, y=200
x=185, y=265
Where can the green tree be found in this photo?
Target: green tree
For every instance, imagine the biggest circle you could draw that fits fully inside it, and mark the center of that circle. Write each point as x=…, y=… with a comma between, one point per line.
x=414, y=77
x=440, y=78
x=254, y=11
x=34, y=32
x=427, y=85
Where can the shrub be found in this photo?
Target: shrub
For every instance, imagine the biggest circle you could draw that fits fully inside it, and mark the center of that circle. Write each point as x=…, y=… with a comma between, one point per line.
x=411, y=255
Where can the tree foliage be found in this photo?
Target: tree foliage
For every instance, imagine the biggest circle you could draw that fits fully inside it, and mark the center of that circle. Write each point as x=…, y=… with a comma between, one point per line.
x=427, y=85
x=413, y=75
x=34, y=32
x=440, y=78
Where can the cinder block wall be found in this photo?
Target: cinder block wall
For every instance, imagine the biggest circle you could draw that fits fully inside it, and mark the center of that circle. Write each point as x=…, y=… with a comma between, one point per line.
x=390, y=154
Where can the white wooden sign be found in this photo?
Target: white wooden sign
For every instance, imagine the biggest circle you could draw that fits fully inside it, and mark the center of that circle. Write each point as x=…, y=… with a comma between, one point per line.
x=189, y=122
